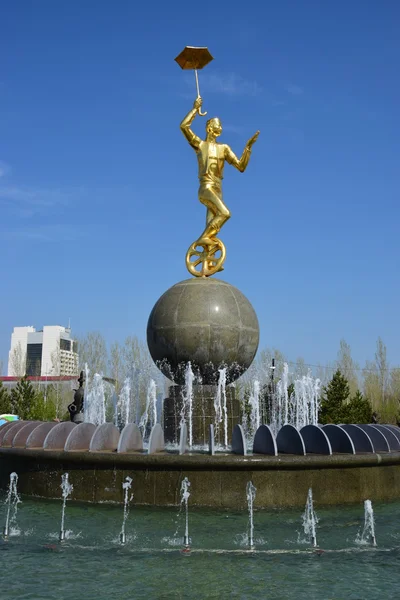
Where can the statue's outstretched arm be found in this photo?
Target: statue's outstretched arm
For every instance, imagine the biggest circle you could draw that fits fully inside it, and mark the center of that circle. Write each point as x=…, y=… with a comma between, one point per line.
x=239, y=163
x=191, y=137
x=242, y=162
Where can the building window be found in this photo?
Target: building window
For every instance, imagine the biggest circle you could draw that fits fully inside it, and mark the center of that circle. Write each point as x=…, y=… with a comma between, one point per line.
x=33, y=360
x=65, y=345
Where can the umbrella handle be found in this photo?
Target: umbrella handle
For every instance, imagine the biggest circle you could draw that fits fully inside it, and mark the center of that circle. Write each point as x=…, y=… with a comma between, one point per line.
x=202, y=114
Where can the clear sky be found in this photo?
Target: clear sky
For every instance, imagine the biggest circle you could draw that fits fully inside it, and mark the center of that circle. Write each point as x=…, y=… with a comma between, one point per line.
x=98, y=187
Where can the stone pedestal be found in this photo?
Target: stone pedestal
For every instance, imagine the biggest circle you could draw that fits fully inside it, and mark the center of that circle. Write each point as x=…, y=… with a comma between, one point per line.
x=203, y=414
x=206, y=322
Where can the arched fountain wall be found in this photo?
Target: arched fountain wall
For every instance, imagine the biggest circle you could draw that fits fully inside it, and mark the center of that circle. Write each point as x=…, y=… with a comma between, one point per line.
x=216, y=480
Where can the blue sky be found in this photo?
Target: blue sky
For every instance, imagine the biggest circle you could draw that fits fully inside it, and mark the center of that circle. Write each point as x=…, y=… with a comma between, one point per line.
x=98, y=187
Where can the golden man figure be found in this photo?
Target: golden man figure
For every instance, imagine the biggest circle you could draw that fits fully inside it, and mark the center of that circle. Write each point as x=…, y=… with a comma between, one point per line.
x=211, y=157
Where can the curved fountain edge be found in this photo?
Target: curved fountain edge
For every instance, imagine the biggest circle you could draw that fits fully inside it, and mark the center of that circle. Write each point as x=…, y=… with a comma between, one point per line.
x=217, y=481
x=217, y=462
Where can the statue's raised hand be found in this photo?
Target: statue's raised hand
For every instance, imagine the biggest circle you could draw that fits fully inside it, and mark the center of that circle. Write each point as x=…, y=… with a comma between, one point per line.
x=197, y=104
x=253, y=139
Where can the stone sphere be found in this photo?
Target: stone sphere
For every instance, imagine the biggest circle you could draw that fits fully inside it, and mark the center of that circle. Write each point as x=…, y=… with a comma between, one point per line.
x=207, y=322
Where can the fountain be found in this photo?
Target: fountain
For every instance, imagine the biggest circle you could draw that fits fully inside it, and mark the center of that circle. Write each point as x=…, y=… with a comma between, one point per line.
x=368, y=533
x=203, y=334
x=254, y=401
x=66, y=488
x=185, y=485
x=187, y=402
x=220, y=407
x=304, y=402
x=149, y=416
x=94, y=403
x=218, y=559
x=301, y=407
x=251, y=496
x=122, y=409
x=12, y=502
x=310, y=520
x=126, y=486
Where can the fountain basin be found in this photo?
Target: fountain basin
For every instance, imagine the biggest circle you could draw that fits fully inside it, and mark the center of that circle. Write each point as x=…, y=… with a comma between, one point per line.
x=217, y=481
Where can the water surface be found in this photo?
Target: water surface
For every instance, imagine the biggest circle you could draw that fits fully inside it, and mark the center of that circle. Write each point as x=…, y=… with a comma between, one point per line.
x=92, y=564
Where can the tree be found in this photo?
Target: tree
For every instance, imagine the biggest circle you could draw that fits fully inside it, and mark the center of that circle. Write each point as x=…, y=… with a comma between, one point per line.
x=394, y=383
x=93, y=352
x=55, y=358
x=347, y=366
x=333, y=403
x=18, y=361
x=42, y=409
x=5, y=400
x=22, y=397
x=376, y=377
x=324, y=373
x=301, y=368
x=382, y=366
x=359, y=409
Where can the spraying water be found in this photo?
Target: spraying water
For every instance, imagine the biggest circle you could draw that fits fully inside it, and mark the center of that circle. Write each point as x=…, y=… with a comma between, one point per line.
x=12, y=502
x=66, y=488
x=368, y=533
x=187, y=404
x=304, y=402
x=301, y=408
x=185, y=485
x=151, y=404
x=254, y=401
x=86, y=388
x=310, y=520
x=220, y=406
x=95, y=403
x=126, y=486
x=251, y=495
x=280, y=405
x=123, y=405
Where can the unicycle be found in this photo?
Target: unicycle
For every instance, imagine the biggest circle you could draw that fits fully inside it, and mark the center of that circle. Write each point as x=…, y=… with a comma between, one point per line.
x=203, y=261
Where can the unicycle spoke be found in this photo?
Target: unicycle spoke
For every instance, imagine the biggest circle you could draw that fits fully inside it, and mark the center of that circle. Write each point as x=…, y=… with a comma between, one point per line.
x=196, y=262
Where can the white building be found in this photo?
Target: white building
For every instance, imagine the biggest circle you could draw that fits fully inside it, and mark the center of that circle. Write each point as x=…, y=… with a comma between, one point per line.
x=50, y=351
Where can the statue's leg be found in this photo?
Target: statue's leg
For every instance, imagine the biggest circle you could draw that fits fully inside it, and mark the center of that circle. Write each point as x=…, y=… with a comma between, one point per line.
x=217, y=212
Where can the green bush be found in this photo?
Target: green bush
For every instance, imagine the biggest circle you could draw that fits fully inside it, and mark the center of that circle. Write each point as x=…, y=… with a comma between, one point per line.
x=5, y=400
x=359, y=409
x=337, y=407
x=333, y=403
x=30, y=404
x=42, y=409
x=22, y=397
x=388, y=411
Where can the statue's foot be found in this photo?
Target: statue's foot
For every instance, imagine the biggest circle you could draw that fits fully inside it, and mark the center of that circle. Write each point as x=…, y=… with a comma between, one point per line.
x=206, y=242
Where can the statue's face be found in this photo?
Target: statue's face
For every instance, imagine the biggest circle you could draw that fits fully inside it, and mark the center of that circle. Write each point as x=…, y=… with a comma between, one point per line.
x=214, y=127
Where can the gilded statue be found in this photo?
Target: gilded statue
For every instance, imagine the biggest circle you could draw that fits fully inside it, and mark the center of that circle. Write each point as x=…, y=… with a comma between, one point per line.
x=211, y=156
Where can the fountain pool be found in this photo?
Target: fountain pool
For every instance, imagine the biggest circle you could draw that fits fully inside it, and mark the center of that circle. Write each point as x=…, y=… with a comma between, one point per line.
x=151, y=564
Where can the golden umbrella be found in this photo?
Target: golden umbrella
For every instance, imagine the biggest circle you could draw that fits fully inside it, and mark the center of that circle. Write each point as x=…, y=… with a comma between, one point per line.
x=194, y=57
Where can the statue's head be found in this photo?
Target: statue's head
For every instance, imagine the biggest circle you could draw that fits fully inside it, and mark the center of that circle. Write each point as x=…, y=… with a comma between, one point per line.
x=214, y=127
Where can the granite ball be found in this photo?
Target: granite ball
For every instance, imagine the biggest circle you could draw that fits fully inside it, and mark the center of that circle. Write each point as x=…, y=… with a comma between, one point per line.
x=207, y=322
